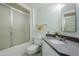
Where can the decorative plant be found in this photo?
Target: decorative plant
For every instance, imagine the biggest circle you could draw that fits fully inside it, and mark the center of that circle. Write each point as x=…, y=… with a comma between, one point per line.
x=56, y=34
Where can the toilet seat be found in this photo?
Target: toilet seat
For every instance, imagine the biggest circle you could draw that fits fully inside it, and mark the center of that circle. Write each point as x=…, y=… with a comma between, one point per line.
x=32, y=49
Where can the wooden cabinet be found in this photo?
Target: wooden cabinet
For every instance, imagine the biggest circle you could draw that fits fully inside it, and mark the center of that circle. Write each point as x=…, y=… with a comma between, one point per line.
x=47, y=50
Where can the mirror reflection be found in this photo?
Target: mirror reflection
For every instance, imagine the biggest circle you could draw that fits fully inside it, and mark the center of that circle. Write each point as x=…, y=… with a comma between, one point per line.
x=68, y=18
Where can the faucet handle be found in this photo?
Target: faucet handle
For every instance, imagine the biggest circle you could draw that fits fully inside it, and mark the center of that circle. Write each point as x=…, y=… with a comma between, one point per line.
x=64, y=38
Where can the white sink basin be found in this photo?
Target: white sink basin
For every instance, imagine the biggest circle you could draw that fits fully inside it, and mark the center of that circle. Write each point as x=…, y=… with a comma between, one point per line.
x=56, y=42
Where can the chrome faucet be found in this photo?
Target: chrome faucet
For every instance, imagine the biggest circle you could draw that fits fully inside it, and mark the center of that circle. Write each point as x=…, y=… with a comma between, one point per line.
x=63, y=39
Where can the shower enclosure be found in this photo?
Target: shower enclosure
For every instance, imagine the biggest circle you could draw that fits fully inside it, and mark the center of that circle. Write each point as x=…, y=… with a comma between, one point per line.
x=14, y=27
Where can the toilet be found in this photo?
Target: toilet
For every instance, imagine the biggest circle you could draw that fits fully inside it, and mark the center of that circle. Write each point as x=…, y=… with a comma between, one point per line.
x=36, y=47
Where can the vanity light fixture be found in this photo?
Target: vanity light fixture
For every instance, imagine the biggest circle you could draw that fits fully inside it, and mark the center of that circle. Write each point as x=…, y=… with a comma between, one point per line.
x=60, y=6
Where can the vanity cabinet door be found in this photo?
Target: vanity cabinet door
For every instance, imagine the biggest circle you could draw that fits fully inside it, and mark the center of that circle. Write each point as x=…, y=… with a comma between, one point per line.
x=47, y=50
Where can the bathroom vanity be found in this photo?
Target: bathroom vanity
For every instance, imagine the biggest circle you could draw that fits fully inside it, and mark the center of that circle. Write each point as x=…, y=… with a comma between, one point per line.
x=54, y=47
x=47, y=50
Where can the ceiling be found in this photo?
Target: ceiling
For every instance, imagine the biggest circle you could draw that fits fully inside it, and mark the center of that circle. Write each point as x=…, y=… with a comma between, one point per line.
x=37, y=5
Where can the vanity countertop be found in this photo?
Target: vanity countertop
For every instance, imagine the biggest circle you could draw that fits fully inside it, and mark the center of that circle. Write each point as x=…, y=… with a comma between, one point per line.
x=61, y=47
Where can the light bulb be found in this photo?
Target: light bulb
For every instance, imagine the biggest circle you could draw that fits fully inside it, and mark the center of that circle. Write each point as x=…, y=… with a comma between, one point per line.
x=60, y=6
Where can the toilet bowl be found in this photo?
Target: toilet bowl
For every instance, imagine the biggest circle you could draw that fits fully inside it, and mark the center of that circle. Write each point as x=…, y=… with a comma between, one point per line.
x=34, y=48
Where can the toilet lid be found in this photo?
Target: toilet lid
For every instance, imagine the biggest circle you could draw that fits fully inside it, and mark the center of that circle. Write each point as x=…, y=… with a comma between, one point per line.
x=32, y=47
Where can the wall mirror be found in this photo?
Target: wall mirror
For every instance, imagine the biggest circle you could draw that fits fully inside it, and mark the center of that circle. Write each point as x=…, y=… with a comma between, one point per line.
x=68, y=13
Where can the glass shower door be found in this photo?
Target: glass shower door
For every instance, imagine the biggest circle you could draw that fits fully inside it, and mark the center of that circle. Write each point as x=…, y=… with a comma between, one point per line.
x=4, y=27
x=20, y=28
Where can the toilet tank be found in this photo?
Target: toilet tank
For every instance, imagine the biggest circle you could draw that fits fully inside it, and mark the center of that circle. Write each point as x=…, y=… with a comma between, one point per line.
x=38, y=40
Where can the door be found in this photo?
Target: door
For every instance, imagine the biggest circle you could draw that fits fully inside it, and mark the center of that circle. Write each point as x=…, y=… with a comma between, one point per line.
x=20, y=28
x=4, y=27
